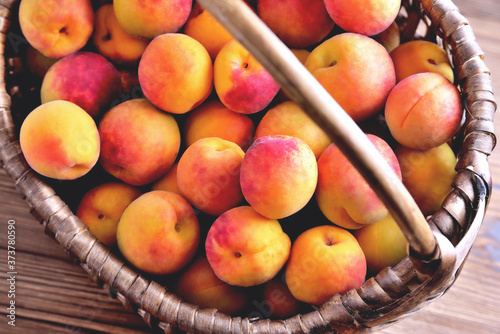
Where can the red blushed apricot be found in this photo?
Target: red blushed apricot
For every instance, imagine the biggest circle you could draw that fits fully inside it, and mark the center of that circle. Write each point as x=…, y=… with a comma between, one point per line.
x=280, y=301
x=287, y=118
x=278, y=175
x=60, y=140
x=245, y=248
x=298, y=23
x=247, y=95
x=56, y=28
x=158, y=232
x=367, y=17
x=356, y=70
x=176, y=73
x=208, y=175
x=324, y=260
x=102, y=206
x=139, y=142
x=343, y=195
x=423, y=111
x=199, y=285
x=241, y=83
x=85, y=78
x=213, y=119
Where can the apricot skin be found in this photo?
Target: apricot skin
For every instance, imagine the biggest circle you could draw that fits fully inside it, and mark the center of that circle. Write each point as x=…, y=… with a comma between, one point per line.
x=60, y=140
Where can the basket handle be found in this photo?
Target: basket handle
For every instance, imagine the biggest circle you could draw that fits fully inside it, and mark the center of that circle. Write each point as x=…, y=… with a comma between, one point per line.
x=245, y=26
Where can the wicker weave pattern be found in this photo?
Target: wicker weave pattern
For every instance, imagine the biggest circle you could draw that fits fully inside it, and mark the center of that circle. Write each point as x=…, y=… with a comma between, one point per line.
x=382, y=299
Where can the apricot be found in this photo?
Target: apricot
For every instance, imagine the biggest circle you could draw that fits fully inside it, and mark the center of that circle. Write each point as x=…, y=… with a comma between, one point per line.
x=113, y=41
x=390, y=38
x=343, y=195
x=301, y=54
x=102, y=206
x=356, y=70
x=367, y=17
x=168, y=182
x=203, y=27
x=158, y=233
x=298, y=23
x=421, y=56
x=176, y=73
x=280, y=301
x=139, y=142
x=324, y=261
x=213, y=119
x=423, y=111
x=60, y=140
x=208, y=175
x=287, y=118
x=240, y=81
x=278, y=175
x=245, y=248
x=84, y=78
x=148, y=19
x=427, y=174
x=56, y=28
x=199, y=285
x=383, y=244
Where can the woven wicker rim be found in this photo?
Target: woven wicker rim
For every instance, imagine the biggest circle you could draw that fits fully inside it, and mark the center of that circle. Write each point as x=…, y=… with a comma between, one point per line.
x=381, y=300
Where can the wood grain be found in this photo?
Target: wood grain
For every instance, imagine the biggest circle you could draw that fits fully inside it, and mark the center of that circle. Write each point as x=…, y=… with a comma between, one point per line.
x=55, y=295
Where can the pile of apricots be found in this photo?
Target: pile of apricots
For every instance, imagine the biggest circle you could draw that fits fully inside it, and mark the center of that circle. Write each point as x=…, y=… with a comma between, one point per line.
x=216, y=181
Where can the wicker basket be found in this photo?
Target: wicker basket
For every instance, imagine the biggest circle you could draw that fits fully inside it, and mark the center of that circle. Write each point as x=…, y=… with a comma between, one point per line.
x=437, y=250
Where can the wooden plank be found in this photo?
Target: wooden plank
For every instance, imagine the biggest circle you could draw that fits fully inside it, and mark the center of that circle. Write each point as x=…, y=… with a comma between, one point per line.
x=31, y=263
x=30, y=236
x=71, y=324
x=58, y=292
x=28, y=325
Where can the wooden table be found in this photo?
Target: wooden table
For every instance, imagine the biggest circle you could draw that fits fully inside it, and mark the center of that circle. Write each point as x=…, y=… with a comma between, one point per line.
x=54, y=295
